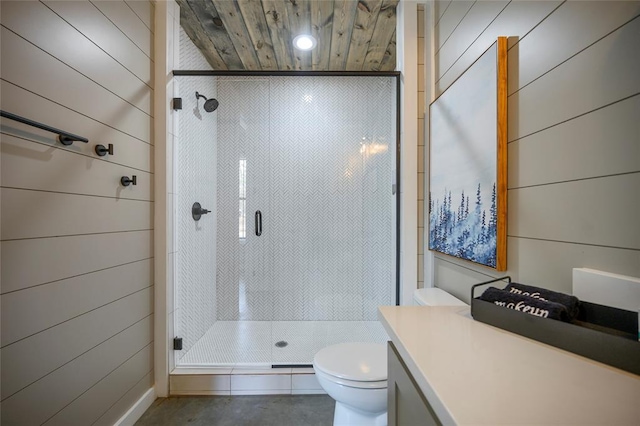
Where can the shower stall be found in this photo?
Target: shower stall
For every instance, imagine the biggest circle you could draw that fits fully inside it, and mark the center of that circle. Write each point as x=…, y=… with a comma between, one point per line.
x=296, y=246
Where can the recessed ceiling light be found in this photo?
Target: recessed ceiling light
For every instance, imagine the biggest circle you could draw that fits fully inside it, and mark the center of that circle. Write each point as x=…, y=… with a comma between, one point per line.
x=304, y=42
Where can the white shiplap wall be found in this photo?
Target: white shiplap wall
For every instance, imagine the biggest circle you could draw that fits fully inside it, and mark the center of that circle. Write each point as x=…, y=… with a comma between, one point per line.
x=77, y=247
x=574, y=134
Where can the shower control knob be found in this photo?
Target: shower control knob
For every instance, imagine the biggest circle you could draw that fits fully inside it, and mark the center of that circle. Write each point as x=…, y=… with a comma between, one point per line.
x=197, y=211
x=125, y=181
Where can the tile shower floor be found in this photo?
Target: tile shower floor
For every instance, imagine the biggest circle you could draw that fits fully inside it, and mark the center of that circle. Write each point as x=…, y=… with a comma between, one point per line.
x=253, y=343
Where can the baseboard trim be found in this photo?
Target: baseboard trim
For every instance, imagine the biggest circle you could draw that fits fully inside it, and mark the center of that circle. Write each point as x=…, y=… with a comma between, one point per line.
x=137, y=410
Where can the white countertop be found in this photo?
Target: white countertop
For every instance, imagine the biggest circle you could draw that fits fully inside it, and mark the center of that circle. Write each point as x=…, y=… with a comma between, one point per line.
x=473, y=373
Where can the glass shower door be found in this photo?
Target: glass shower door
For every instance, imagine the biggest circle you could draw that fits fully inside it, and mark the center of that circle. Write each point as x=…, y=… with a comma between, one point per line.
x=243, y=291
x=305, y=243
x=332, y=158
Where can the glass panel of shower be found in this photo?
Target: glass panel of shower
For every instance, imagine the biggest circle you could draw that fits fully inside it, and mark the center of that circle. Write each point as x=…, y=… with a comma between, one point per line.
x=299, y=247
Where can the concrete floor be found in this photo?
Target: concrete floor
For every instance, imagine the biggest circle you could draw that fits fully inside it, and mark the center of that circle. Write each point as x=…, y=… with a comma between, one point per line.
x=280, y=410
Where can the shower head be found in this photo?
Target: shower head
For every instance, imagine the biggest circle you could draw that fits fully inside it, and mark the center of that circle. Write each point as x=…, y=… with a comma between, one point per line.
x=210, y=105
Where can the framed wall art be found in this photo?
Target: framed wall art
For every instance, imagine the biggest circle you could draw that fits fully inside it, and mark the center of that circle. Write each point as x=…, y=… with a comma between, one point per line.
x=468, y=163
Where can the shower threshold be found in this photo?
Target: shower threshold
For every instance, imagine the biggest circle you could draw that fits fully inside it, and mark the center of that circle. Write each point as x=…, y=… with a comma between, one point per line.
x=259, y=344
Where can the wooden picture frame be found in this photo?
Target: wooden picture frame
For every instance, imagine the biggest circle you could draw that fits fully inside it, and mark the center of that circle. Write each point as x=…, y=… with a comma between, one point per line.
x=468, y=163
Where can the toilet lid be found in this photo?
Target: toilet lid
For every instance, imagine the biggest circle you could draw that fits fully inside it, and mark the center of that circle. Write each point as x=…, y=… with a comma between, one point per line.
x=362, y=362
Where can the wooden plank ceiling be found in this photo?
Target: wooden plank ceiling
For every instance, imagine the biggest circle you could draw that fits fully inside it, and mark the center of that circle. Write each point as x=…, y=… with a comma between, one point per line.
x=352, y=35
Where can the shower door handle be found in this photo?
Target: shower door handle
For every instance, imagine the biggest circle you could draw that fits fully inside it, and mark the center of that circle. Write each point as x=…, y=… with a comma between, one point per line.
x=258, y=223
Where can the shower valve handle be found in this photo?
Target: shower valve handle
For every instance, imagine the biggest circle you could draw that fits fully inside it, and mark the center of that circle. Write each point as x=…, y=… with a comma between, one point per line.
x=197, y=211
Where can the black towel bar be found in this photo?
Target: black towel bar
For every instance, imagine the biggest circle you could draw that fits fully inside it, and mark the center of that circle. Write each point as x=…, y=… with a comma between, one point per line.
x=65, y=138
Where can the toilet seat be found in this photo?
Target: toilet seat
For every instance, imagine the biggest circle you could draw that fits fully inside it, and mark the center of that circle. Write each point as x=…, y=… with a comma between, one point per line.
x=356, y=365
x=382, y=384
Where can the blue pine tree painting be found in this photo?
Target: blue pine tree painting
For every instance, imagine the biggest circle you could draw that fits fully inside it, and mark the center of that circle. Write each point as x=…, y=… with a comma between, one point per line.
x=460, y=232
x=463, y=168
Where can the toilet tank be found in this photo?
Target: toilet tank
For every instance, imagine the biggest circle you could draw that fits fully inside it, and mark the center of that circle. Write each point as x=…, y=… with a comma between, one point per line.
x=434, y=296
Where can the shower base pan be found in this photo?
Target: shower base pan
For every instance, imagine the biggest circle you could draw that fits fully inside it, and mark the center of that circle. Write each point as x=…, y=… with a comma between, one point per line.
x=262, y=344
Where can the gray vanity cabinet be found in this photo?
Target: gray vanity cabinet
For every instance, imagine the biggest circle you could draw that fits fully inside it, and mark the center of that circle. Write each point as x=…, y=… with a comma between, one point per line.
x=407, y=406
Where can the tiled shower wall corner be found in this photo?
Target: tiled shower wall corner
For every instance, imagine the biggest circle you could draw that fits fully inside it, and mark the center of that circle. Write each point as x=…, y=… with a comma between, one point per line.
x=320, y=171
x=195, y=180
x=421, y=145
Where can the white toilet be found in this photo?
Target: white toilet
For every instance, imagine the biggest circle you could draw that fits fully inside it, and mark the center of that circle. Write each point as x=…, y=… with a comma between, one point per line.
x=355, y=374
x=434, y=296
